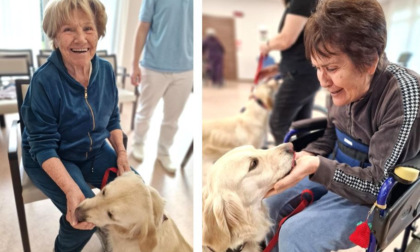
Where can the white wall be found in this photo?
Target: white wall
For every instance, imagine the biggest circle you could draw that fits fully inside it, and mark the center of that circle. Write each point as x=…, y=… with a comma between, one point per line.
x=128, y=22
x=256, y=13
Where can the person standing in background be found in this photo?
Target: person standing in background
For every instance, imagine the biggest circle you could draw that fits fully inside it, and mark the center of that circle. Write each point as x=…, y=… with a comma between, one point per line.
x=295, y=98
x=213, y=52
x=165, y=36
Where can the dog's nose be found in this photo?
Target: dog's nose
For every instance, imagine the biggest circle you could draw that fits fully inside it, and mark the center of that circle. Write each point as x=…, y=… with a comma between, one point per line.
x=80, y=215
x=289, y=148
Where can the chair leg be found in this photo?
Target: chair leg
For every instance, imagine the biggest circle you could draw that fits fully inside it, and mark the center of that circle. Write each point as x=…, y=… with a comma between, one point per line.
x=23, y=226
x=133, y=114
x=2, y=121
x=187, y=155
x=20, y=209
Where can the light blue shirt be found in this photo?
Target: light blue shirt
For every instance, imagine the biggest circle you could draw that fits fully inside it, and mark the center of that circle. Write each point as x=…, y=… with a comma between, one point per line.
x=169, y=43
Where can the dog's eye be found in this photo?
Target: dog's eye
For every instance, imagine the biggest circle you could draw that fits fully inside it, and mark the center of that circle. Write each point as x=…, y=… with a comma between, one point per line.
x=110, y=215
x=212, y=250
x=103, y=192
x=253, y=164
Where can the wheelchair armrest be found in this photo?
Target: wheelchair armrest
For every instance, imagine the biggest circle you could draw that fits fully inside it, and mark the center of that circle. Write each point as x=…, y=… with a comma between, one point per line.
x=305, y=131
x=310, y=124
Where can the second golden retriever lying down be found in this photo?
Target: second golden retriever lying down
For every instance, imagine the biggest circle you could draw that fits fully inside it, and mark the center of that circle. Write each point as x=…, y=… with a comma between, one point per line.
x=247, y=128
x=233, y=213
x=133, y=214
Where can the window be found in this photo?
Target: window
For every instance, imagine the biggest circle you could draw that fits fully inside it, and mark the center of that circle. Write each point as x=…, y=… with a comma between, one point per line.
x=404, y=32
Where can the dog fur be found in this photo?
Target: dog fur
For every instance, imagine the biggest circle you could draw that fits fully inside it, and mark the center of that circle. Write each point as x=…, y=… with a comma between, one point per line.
x=133, y=215
x=233, y=212
x=247, y=128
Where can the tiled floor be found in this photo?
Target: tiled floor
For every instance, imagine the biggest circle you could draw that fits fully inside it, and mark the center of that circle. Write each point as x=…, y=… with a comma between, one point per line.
x=42, y=216
x=227, y=101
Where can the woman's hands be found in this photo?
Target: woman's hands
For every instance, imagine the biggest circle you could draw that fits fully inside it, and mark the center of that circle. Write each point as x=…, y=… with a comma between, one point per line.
x=306, y=164
x=122, y=162
x=74, y=198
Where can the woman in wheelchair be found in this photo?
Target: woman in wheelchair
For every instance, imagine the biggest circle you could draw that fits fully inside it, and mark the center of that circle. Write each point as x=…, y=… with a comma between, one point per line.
x=373, y=123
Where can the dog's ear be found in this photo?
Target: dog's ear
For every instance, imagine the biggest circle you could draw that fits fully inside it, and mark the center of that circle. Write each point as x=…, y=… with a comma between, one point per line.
x=215, y=228
x=148, y=240
x=158, y=204
x=269, y=103
x=224, y=219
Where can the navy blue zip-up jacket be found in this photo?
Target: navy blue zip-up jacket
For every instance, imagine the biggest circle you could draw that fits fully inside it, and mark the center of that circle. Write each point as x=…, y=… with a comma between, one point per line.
x=64, y=119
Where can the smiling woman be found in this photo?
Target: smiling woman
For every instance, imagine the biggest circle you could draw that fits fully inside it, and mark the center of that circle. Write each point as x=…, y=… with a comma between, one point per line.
x=70, y=110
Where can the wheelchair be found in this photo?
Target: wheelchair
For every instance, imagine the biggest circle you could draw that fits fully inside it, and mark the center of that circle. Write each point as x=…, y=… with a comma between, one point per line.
x=398, y=199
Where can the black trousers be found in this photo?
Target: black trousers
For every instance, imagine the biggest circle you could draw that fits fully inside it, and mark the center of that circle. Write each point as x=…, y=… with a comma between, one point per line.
x=294, y=101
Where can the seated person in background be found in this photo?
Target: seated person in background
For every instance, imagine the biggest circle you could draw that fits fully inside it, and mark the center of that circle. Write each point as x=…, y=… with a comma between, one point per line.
x=373, y=124
x=70, y=109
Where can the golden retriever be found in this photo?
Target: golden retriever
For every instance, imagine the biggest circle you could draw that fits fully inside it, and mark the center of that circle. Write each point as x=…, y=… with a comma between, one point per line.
x=233, y=213
x=247, y=128
x=133, y=215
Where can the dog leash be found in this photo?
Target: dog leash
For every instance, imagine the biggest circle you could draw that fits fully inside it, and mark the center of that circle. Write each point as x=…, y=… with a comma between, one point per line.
x=306, y=198
x=259, y=67
x=106, y=175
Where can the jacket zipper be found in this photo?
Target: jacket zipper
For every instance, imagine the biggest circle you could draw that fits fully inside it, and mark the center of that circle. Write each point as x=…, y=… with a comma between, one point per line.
x=93, y=119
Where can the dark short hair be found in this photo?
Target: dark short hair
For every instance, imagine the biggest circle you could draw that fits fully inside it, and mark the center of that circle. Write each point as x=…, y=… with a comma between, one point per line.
x=357, y=28
x=58, y=12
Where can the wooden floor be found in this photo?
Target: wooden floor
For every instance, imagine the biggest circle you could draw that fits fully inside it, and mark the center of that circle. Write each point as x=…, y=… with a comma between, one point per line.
x=42, y=216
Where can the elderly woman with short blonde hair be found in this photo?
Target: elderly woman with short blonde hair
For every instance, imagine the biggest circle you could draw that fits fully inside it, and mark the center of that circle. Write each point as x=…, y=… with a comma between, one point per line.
x=69, y=112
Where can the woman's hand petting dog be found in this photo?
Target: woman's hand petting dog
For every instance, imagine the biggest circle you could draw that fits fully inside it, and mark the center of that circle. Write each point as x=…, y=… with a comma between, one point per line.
x=74, y=198
x=122, y=163
x=306, y=164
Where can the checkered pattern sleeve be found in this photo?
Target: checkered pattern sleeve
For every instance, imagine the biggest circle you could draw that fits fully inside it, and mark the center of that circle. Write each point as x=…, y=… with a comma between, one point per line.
x=410, y=93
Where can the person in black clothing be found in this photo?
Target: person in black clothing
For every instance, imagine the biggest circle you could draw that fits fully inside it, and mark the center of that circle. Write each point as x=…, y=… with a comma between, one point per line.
x=295, y=98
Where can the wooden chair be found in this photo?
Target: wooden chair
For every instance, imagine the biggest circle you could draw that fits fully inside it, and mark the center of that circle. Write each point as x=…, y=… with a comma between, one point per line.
x=12, y=66
x=19, y=52
x=124, y=95
x=41, y=59
x=24, y=190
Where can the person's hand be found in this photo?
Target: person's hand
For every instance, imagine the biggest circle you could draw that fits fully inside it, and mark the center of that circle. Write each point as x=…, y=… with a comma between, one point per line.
x=264, y=48
x=74, y=198
x=135, y=75
x=122, y=162
x=268, y=72
x=306, y=164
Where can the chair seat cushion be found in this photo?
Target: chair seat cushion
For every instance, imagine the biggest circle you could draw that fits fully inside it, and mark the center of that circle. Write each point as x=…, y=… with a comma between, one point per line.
x=8, y=106
x=126, y=95
x=30, y=193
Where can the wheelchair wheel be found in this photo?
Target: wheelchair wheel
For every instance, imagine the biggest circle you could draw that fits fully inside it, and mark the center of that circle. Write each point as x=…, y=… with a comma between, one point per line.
x=414, y=245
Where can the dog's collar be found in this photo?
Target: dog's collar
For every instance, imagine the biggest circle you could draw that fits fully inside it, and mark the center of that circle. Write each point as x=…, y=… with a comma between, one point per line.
x=258, y=101
x=237, y=249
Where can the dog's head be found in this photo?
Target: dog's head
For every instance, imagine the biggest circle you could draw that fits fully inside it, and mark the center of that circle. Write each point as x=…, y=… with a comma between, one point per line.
x=265, y=92
x=127, y=206
x=236, y=185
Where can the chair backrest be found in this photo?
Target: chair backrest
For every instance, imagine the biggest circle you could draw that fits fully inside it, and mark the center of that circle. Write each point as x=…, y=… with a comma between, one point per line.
x=46, y=52
x=111, y=58
x=14, y=65
x=22, y=86
x=26, y=52
x=101, y=53
x=41, y=59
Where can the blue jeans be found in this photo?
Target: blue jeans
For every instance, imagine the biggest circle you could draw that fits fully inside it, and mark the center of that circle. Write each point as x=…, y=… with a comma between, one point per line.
x=325, y=225
x=83, y=173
